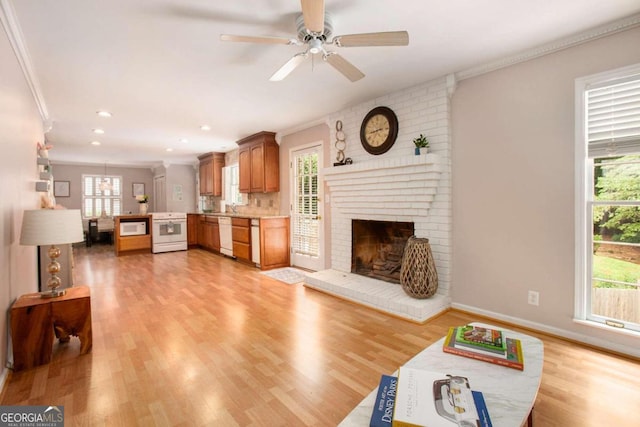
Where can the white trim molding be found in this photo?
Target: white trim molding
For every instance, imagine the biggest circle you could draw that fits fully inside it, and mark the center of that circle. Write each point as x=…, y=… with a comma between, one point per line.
x=14, y=34
x=586, y=339
x=555, y=46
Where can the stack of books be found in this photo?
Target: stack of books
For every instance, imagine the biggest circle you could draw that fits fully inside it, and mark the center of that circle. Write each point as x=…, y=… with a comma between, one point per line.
x=489, y=345
x=417, y=398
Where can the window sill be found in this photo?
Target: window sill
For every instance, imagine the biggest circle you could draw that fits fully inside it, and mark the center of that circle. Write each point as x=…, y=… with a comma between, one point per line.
x=604, y=327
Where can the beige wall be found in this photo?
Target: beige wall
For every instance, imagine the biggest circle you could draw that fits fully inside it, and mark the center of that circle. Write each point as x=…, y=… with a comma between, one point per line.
x=73, y=174
x=20, y=129
x=513, y=186
x=181, y=177
x=289, y=143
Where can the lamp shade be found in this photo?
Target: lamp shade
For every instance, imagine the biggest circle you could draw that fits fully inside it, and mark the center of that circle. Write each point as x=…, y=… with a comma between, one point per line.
x=51, y=227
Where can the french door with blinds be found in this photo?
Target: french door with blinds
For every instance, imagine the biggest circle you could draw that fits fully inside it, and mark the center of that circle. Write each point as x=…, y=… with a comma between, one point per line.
x=306, y=209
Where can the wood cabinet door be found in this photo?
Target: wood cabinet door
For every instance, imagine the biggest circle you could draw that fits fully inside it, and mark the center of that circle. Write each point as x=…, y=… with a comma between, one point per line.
x=218, y=163
x=271, y=167
x=206, y=177
x=215, y=237
x=192, y=229
x=242, y=251
x=244, y=164
x=201, y=231
x=257, y=168
x=274, y=243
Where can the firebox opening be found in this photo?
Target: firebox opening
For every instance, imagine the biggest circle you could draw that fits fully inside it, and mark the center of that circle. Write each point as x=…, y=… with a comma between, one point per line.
x=377, y=248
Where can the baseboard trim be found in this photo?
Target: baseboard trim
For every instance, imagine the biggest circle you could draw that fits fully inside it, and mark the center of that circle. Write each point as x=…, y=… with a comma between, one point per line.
x=596, y=343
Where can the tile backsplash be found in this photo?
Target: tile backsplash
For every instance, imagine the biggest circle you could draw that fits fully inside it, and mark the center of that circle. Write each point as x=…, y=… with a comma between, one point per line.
x=257, y=204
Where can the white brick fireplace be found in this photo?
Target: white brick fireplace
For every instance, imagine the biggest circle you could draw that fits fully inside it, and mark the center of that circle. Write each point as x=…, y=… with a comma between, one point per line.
x=396, y=186
x=401, y=189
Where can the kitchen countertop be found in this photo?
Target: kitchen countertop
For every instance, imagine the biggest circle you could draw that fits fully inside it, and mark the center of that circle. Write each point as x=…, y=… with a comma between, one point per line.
x=239, y=215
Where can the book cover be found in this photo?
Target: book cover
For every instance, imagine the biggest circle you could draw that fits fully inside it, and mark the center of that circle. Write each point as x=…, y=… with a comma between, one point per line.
x=385, y=399
x=513, y=357
x=433, y=399
x=477, y=336
x=481, y=409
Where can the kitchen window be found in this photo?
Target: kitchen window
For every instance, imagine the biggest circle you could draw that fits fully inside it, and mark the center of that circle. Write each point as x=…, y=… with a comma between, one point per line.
x=608, y=199
x=232, y=195
x=101, y=195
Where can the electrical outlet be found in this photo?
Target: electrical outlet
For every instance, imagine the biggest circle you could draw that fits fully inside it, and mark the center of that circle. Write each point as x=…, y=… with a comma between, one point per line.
x=533, y=298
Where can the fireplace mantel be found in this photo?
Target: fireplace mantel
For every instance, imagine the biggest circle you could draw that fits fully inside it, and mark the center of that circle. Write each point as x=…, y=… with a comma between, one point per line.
x=430, y=161
x=385, y=189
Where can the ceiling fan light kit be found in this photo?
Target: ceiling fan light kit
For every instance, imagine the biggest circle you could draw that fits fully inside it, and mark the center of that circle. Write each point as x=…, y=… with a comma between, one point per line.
x=315, y=27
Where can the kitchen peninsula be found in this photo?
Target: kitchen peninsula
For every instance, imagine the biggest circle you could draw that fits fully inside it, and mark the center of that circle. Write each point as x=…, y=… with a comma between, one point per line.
x=130, y=236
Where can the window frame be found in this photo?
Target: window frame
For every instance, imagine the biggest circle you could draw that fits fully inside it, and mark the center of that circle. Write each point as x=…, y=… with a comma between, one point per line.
x=584, y=202
x=116, y=196
x=232, y=195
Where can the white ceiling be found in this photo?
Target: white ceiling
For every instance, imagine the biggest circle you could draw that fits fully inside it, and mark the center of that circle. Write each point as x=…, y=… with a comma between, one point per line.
x=161, y=69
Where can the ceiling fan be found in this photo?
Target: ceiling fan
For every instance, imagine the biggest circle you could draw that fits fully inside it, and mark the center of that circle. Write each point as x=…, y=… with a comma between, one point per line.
x=315, y=28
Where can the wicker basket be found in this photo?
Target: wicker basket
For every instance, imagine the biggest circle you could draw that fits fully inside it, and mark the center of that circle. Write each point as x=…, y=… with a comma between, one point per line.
x=418, y=275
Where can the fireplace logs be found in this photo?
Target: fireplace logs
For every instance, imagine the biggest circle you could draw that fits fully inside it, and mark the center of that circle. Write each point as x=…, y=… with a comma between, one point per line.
x=377, y=248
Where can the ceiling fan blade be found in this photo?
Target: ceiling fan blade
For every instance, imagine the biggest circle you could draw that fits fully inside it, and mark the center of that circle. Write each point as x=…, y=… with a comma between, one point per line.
x=313, y=13
x=391, y=38
x=288, y=67
x=257, y=39
x=345, y=67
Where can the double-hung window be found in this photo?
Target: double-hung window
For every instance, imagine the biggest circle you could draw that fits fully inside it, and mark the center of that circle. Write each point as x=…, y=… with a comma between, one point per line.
x=232, y=193
x=101, y=195
x=608, y=199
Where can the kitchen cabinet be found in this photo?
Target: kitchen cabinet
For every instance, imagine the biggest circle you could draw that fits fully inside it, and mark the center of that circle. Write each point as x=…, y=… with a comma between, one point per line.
x=241, y=236
x=259, y=163
x=210, y=173
x=274, y=243
x=192, y=229
x=267, y=249
x=209, y=233
x=132, y=244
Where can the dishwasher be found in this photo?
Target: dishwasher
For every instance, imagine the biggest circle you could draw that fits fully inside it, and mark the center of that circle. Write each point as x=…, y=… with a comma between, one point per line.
x=226, y=240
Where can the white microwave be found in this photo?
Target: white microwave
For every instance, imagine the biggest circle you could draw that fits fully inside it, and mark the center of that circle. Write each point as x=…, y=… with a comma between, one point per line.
x=133, y=228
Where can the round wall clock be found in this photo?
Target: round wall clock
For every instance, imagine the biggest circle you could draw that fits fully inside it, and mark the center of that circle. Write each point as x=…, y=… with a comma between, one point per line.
x=379, y=130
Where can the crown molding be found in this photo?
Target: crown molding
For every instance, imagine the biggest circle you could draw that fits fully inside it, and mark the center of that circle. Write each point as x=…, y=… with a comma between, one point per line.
x=14, y=33
x=567, y=42
x=295, y=129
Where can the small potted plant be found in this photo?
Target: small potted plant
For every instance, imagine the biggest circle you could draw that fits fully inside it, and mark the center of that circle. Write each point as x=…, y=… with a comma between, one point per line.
x=420, y=142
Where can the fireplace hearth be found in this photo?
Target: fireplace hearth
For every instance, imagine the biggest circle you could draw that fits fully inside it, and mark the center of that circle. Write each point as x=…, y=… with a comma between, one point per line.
x=377, y=248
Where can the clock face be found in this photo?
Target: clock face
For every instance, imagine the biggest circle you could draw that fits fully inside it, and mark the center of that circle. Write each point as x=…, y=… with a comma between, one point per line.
x=379, y=130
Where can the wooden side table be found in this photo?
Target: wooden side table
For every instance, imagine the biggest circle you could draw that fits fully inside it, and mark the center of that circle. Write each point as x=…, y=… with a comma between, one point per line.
x=35, y=320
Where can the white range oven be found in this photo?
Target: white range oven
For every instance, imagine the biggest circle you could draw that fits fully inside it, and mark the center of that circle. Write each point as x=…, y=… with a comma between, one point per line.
x=168, y=231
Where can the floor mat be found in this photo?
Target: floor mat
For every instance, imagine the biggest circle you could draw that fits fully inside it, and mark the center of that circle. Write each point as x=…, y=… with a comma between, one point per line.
x=287, y=275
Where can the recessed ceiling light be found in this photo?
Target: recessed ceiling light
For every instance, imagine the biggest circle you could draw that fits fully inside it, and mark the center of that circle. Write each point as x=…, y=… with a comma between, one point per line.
x=184, y=140
x=205, y=127
x=169, y=149
x=99, y=131
x=103, y=113
x=95, y=142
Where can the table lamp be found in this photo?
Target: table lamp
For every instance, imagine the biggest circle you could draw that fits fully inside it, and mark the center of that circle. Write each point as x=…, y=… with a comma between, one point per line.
x=52, y=227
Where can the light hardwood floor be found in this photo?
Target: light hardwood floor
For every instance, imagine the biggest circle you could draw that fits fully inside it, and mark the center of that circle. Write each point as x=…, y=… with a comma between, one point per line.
x=191, y=338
